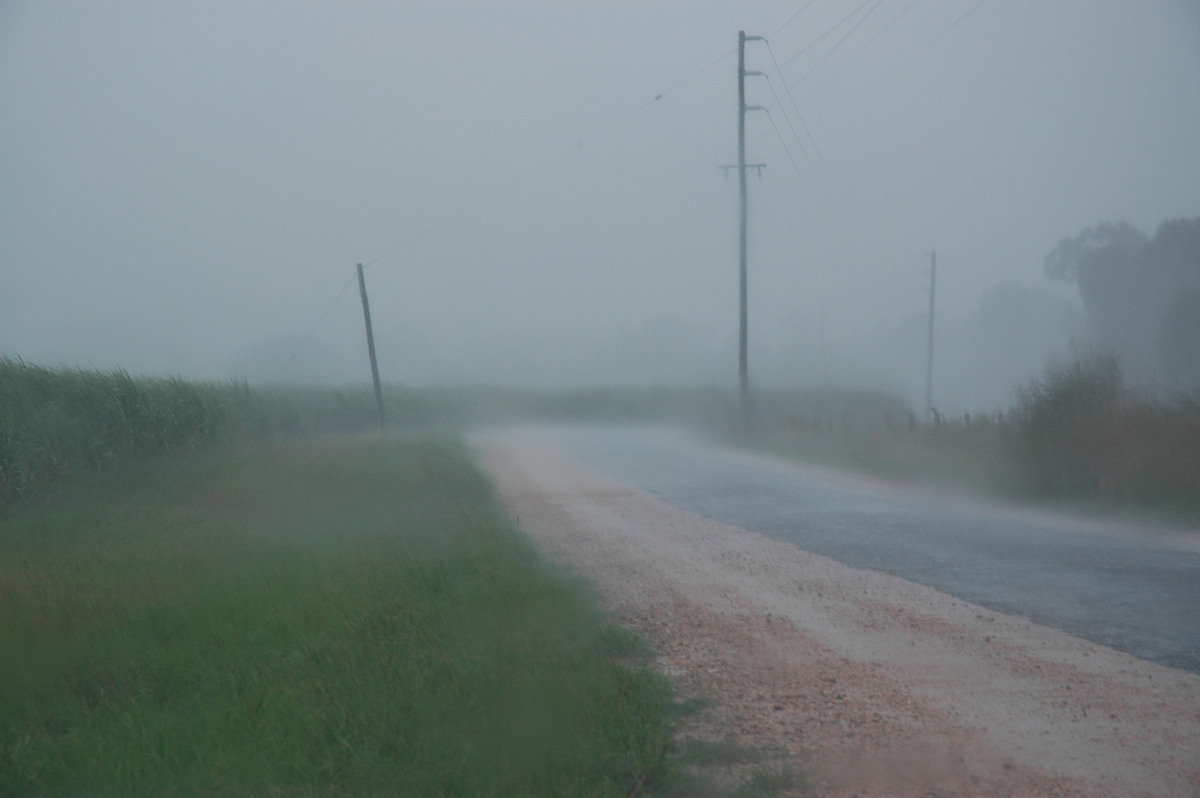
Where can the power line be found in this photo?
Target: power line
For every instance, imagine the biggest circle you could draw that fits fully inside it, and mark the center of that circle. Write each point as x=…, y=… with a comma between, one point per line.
x=925, y=47
x=790, y=19
x=787, y=151
x=956, y=23
x=796, y=107
x=875, y=38
x=445, y=220
x=779, y=135
x=840, y=41
x=320, y=321
x=689, y=78
x=821, y=38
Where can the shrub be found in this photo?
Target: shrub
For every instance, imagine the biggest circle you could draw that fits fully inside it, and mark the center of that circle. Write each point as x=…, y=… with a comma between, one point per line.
x=1081, y=434
x=1066, y=425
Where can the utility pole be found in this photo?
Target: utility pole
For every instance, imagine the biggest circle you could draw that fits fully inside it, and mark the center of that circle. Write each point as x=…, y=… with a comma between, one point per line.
x=362, y=289
x=743, y=322
x=929, y=364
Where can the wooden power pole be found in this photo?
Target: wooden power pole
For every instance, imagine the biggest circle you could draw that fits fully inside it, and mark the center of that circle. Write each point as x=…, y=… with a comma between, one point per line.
x=743, y=321
x=929, y=361
x=362, y=289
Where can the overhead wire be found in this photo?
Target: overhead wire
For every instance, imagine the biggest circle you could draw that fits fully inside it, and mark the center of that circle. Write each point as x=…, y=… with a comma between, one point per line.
x=956, y=23
x=689, y=78
x=450, y=217
x=312, y=331
x=840, y=41
x=925, y=48
x=787, y=118
x=786, y=150
x=790, y=19
x=829, y=31
x=796, y=108
x=879, y=33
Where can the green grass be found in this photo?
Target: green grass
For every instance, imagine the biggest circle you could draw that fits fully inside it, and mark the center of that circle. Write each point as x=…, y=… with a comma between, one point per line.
x=724, y=768
x=768, y=782
x=334, y=617
x=719, y=753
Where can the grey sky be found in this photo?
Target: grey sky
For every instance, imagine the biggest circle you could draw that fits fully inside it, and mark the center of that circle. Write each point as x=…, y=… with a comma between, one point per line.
x=186, y=187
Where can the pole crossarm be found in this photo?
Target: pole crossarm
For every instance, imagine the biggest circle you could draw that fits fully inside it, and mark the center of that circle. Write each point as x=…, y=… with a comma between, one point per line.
x=756, y=166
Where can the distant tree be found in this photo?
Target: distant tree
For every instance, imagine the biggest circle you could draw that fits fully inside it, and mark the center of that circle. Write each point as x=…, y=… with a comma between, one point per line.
x=1109, y=246
x=1140, y=295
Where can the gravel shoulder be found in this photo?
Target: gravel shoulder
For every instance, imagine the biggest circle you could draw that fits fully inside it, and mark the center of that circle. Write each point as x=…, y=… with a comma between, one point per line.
x=875, y=685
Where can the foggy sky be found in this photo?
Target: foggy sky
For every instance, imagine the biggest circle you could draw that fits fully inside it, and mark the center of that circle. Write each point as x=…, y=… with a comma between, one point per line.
x=186, y=187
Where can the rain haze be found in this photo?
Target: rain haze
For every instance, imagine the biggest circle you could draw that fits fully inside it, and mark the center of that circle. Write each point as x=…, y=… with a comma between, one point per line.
x=535, y=188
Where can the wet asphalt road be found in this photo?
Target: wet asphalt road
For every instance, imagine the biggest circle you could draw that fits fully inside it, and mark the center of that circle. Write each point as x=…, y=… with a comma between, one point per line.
x=1137, y=593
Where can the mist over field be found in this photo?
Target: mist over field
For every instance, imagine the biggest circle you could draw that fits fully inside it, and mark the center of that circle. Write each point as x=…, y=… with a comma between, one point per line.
x=535, y=190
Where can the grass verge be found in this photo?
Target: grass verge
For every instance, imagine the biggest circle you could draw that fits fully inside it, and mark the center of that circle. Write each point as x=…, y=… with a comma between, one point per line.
x=342, y=617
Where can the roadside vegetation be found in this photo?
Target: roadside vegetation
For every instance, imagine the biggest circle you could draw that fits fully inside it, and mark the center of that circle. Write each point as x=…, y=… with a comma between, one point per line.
x=1077, y=438
x=1083, y=435
x=335, y=616
x=225, y=589
x=56, y=422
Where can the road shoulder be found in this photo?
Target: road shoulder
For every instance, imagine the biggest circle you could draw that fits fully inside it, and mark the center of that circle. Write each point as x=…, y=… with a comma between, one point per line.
x=876, y=685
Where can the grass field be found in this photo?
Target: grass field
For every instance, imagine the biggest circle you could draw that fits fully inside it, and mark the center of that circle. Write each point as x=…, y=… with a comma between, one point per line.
x=331, y=617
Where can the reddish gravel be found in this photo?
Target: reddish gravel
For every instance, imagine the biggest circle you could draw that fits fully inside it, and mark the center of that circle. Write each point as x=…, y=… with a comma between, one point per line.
x=874, y=685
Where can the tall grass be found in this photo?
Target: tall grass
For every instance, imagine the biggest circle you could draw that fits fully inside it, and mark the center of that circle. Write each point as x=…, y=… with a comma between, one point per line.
x=59, y=421
x=1076, y=436
x=56, y=421
x=1082, y=434
x=349, y=617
